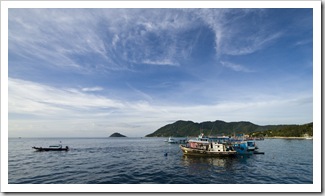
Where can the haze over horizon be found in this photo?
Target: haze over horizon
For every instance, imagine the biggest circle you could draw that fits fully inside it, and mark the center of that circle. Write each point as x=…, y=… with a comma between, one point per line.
x=93, y=72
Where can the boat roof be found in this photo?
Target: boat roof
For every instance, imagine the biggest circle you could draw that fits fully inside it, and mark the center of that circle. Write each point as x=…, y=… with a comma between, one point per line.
x=198, y=141
x=219, y=137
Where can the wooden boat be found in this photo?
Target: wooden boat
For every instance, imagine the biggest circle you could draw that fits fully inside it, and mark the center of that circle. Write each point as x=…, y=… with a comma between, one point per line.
x=202, y=147
x=52, y=148
x=219, y=146
x=209, y=152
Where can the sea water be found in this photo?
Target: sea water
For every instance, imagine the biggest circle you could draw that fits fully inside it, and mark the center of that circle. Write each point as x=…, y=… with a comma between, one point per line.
x=153, y=161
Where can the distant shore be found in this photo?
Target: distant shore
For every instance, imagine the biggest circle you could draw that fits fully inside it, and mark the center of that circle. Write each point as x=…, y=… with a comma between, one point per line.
x=274, y=137
x=277, y=137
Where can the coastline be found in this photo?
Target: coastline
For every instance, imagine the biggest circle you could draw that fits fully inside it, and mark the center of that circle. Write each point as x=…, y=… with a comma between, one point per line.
x=278, y=137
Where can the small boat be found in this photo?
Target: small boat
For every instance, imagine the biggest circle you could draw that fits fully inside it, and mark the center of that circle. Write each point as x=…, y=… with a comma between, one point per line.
x=176, y=140
x=203, y=147
x=242, y=148
x=251, y=146
x=52, y=148
x=246, y=148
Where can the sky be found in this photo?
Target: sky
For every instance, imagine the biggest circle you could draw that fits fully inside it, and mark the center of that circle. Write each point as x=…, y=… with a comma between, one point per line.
x=93, y=72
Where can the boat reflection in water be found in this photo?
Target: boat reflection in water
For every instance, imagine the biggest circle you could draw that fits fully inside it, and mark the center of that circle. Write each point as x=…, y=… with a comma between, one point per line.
x=209, y=166
x=194, y=160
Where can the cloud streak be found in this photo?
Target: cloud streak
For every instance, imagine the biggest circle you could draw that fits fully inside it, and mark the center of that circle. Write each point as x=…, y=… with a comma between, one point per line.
x=92, y=89
x=40, y=100
x=235, y=67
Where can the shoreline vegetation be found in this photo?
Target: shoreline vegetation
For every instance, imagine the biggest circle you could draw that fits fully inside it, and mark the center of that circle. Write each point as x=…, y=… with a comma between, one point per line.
x=294, y=138
x=183, y=128
x=275, y=137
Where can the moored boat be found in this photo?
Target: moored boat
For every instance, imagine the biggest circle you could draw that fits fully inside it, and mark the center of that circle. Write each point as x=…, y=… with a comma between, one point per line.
x=251, y=146
x=203, y=147
x=219, y=146
x=176, y=140
x=242, y=148
x=52, y=148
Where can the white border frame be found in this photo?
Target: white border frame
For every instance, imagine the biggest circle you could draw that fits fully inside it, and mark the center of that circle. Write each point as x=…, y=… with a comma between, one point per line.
x=315, y=187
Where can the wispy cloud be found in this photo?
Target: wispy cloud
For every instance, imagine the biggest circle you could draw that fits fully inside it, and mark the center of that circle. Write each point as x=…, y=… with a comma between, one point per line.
x=229, y=27
x=303, y=42
x=138, y=93
x=162, y=62
x=91, y=89
x=115, y=36
x=235, y=67
x=253, y=43
x=118, y=39
x=37, y=99
x=43, y=34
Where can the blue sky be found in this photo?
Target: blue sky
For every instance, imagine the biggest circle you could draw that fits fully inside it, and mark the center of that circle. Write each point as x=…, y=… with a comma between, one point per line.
x=92, y=72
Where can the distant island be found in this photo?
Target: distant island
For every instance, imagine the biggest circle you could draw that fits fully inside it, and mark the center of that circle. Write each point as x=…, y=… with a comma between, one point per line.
x=117, y=135
x=188, y=128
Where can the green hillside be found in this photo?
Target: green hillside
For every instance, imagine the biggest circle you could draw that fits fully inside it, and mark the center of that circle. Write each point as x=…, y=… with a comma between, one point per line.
x=188, y=128
x=286, y=131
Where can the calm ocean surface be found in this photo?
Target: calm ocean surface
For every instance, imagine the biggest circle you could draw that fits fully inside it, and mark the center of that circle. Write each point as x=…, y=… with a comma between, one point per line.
x=142, y=160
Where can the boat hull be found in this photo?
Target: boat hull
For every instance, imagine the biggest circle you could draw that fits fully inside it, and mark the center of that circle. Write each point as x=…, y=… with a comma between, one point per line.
x=50, y=149
x=198, y=152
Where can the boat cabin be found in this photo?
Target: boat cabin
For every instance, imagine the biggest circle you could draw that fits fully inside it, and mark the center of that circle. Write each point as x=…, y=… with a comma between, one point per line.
x=217, y=147
x=198, y=144
x=208, y=146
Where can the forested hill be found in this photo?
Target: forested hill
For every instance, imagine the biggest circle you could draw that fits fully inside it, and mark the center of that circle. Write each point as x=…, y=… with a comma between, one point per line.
x=188, y=128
